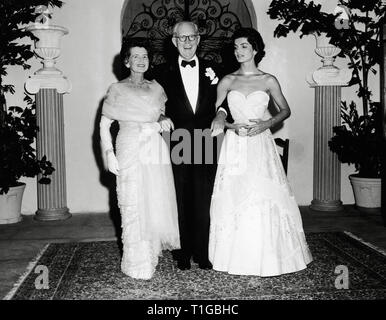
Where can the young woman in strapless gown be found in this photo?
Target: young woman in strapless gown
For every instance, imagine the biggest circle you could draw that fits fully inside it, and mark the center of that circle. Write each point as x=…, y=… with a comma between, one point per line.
x=256, y=227
x=141, y=162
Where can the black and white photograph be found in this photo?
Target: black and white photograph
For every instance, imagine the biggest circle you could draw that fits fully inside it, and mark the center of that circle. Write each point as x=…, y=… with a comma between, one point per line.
x=192, y=157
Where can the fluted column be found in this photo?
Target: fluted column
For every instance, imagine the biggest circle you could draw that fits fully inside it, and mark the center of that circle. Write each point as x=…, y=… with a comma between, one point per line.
x=326, y=184
x=48, y=84
x=52, y=198
x=328, y=81
x=383, y=104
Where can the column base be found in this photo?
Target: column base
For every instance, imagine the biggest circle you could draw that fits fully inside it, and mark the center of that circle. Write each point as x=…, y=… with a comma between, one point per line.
x=53, y=214
x=326, y=205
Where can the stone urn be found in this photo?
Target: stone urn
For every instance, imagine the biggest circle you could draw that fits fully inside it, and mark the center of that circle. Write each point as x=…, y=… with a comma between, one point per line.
x=327, y=52
x=48, y=45
x=328, y=73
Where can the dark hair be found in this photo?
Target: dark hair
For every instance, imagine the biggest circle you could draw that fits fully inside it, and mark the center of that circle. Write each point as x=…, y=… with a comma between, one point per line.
x=254, y=38
x=129, y=43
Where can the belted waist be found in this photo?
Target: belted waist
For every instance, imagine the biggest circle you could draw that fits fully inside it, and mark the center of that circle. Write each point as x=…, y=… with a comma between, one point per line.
x=145, y=127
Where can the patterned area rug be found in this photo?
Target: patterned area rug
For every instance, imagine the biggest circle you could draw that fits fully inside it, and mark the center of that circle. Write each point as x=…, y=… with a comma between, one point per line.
x=91, y=270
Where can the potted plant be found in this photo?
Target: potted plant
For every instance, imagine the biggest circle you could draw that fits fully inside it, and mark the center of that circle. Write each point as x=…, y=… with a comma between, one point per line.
x=18, y=130
x=358, y=140
x=17, y=125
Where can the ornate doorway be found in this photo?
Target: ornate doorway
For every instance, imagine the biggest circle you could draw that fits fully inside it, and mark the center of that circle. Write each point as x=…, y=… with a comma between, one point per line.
x=217, y=20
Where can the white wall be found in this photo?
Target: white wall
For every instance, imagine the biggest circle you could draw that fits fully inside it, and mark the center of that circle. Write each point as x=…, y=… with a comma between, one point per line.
x=87, y=56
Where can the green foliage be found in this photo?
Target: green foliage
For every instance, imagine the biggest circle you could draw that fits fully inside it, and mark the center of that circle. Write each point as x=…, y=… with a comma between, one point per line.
x=359, y=41
x=18, y=157
x=14, y=14
x=359, y=140
x=299, y=15
x=18, y=127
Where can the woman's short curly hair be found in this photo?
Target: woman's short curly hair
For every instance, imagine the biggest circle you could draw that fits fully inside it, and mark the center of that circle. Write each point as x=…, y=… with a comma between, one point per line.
x=129, y=43
x=254, y=38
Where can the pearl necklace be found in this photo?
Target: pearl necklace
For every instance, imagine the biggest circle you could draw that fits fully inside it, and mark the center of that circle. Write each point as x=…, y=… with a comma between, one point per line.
x=138, y=85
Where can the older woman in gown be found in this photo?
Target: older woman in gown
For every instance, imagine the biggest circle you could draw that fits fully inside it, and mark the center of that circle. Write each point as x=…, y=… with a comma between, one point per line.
x=141, y=163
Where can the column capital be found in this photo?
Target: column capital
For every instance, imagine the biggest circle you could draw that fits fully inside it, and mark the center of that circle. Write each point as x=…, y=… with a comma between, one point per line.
x=45, y=81
x=329, y=77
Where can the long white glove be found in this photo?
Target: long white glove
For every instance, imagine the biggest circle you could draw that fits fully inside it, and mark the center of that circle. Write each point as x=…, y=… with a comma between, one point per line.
x=165, y=123
x=112, y=163
x=107, y=146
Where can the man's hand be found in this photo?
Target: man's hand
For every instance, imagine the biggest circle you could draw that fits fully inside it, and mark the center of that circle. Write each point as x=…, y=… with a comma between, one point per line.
x=218, y=123
x=112, y=163
x=258, y=127
x=166, y=124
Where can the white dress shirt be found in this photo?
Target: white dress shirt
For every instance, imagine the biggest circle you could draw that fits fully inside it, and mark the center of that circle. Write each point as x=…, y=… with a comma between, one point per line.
x=190, y=77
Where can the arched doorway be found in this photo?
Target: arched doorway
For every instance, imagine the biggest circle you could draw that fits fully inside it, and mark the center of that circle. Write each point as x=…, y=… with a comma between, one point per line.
x=217, y=21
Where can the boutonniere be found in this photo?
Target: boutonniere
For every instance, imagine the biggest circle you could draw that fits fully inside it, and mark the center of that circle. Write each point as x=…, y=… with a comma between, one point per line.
x=211, y=75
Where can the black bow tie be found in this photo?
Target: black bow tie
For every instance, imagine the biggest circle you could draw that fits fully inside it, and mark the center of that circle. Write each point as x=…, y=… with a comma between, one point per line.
x=192, y=63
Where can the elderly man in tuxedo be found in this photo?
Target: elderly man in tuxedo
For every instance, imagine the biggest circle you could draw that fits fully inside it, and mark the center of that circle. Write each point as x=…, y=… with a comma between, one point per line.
x=190, y=85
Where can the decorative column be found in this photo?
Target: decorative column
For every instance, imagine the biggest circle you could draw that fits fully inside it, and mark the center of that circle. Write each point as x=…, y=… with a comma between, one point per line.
x=327, y=81
x=383, y=104
x=48, y=84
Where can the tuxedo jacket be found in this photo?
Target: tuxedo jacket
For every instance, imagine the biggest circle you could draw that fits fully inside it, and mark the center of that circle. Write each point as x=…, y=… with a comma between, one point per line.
x=178, y=107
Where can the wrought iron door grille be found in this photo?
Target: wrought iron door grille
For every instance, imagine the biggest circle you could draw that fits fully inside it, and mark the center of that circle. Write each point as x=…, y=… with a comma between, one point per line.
x=215, y=20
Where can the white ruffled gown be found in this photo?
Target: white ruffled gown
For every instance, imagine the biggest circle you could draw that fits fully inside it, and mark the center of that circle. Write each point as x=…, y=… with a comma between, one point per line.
x=145, y=185
x=256, y=227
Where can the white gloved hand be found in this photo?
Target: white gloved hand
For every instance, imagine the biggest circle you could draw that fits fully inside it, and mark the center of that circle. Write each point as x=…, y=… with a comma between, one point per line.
x=166, y=124
x=112, y=163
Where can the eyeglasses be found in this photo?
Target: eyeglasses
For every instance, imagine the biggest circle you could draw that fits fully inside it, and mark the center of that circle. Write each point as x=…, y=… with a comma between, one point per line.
x=191, y=37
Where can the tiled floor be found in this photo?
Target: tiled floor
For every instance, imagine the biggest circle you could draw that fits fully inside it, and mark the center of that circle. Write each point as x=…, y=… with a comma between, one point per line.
x=21, y=242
